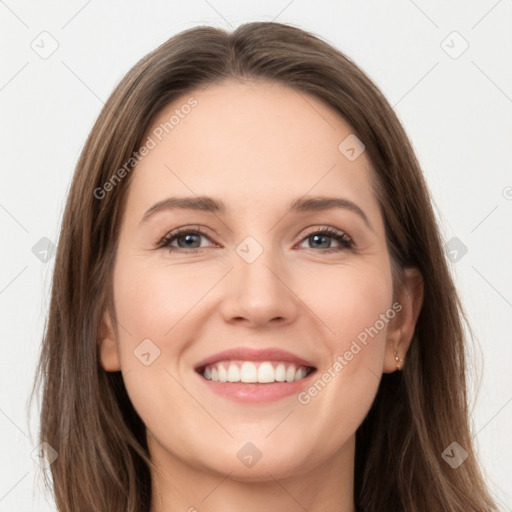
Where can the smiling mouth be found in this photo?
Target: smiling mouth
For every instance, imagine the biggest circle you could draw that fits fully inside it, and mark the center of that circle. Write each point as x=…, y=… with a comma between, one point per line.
x=260, y=372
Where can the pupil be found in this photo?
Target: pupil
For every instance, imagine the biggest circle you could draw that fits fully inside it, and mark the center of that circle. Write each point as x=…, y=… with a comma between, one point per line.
x=187, y=238
x=316, y=237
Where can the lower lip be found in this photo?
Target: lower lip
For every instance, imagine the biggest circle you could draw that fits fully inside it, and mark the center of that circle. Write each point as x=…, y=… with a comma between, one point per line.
x=256, y=392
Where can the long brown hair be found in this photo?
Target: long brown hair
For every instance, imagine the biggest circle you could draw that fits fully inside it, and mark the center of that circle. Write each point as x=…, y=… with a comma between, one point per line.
x=103, y=461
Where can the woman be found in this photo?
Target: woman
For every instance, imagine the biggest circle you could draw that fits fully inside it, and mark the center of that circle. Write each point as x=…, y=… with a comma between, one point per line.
x=256, y=370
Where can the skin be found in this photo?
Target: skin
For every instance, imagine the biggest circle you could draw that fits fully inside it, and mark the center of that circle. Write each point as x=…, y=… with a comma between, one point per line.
x=256, y=146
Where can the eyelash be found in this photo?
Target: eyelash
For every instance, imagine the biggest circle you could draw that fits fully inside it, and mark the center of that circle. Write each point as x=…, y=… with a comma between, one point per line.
x=344, y=240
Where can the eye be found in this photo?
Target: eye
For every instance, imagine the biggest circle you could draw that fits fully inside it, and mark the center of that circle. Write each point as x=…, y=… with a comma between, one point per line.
x=321, y=237
x=186, y=238
x=189, y=240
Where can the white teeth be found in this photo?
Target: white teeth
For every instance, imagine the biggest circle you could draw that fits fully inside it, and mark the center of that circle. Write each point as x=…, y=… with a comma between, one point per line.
x=233, y=373
x=223, y=374
x=299, y=374
x=280, y=373
x=265, y=373
x=249, y=371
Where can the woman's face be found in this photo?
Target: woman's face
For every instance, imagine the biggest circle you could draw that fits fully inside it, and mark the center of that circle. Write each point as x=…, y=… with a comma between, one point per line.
x=263, y=275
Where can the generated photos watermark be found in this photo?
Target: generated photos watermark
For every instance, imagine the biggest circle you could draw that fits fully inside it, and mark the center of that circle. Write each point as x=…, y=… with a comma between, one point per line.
x=156, y=136
x=342, y=360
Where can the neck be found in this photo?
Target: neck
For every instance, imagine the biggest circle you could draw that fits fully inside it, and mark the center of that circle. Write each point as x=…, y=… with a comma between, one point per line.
x=178, y=487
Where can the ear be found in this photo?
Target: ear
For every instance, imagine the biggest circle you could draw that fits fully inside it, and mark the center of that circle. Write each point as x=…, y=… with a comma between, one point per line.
x=401, y=330
x=109, y=353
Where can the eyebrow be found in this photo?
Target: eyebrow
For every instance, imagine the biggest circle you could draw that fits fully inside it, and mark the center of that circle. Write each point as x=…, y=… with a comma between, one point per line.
x=300, y=205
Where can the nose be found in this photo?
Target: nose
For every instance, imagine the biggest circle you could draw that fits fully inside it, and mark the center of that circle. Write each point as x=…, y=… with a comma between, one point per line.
x=259, y=293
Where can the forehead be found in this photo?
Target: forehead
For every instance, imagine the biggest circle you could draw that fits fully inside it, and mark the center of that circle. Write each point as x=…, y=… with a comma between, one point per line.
x=253, y=142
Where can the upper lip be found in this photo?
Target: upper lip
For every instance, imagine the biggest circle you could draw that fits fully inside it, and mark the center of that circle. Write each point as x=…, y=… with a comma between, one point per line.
x=250, y=354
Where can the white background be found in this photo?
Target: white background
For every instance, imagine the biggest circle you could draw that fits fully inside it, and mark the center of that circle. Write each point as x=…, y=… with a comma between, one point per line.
x=457, y=112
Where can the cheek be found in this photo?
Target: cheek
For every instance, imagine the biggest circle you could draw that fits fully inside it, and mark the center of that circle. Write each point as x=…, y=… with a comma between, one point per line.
x=346, y=302
x=152, y=300
x=350, y=301
x=153, y=305
x=357, y=309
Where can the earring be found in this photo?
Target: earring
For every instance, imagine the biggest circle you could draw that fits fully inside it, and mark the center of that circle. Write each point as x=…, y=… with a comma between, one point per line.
x=399, y=361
